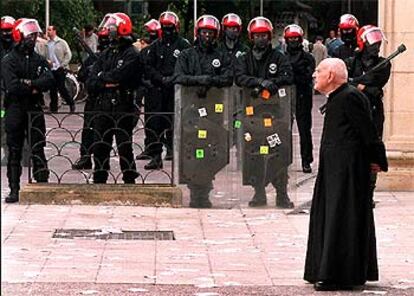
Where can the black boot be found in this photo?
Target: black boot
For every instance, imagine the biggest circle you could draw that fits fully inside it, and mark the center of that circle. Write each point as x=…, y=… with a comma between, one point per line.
x=83, y=163
x=194, y=201
x=40, y=170
x=280, y=183
x=154, y=164
x=130, y=176
x=199, y=196
x=283, y=201
x=143, y=156
x=259, y=197
x=14, y=170
x=13, y=196
x=306, y=167
x=169, y=156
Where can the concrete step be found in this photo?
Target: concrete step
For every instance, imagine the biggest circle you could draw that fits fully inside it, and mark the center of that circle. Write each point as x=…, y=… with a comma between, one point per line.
x=101, y=194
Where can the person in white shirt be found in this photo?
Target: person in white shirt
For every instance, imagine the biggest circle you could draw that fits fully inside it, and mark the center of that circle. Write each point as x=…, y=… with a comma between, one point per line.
x=59, y=56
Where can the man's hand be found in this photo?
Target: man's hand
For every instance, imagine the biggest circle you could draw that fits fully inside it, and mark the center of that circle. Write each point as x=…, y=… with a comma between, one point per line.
x=361, y=87
x=375, y=168
x=28, y=82
x=269, y=85
x=111, y=85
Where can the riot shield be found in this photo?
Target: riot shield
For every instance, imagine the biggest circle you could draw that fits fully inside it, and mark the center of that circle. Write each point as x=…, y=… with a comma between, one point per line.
x=267, y=150
x=202, y=133
x=233, y=139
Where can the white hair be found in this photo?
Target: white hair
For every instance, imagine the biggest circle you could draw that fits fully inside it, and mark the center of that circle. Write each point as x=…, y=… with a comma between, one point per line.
x=338, y=67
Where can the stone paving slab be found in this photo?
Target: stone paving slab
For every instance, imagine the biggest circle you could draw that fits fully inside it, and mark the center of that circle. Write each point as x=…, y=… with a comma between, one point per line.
x=213, y=248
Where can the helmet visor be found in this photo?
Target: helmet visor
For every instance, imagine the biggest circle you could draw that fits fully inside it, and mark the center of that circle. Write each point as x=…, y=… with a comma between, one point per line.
x=28, y=27
x=374, y=36
x=111, y=20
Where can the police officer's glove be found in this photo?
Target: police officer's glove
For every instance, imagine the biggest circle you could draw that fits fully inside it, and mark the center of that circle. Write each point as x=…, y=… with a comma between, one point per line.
x=202, y=92
x=168, y=80
x=27, y=82
x=204, y=80
x=216, y=81
x=269, y=85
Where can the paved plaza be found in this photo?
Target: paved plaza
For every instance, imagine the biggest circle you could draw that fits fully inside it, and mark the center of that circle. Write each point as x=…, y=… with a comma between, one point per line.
x=228, y=250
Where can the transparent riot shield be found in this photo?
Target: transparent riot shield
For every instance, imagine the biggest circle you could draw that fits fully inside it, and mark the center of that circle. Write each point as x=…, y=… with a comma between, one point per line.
x=202, y=137
x=267, y=150
x=238, y=140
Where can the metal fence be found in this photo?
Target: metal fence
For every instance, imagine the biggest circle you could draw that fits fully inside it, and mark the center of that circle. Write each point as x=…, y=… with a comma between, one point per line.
x=66, y=133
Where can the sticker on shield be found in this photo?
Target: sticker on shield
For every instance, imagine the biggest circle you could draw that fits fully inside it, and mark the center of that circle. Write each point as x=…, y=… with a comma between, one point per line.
x=247, y=137
x=219, y=108
x=202, y=134
x=282, y=92
x=202, y=112
x=273, y=140
x=264, y=149
x=237, y=124
x=199, y=153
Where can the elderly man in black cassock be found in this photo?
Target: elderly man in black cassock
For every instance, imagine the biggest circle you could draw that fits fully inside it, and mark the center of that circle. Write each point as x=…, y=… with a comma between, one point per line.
x=341, y=250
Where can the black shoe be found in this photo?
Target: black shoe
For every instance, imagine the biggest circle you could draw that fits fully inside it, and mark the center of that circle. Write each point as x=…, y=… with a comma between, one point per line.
x=143, y=156
x=194, y=204
x=83, y=163
x=205, y=204
x=72, y=108
x=169, y=156
x=154, y=164
x=257, y=202
x=325, y=286
x=53, y=109
x=12, y=197
x=306, y=168
x=284, y=202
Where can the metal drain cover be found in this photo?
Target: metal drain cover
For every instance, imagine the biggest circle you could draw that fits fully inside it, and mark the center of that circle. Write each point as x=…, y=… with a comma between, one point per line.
x=110, y=234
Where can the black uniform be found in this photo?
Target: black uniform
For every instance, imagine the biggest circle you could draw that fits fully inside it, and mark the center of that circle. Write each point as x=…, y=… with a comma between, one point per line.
x=205, y=68
x=5, y=47
x=347, y=49
x=87, y=136
x=344, y=52
x=116, y=65
x=251, y=72
x=303, y=64
x=19, y=100
x=238, y=49
x=374, y=83
x=159, y=65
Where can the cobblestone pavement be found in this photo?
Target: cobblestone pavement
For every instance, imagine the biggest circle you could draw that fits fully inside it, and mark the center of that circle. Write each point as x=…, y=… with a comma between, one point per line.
x=228, y=250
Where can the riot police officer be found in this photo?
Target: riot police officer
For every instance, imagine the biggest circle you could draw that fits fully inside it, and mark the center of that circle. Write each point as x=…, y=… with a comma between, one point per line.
x=151, y=33
x=159, y=64
x=87, y=137
x=348, y=28
x=371, y=84
x=6, y=43
x=303, y=65
x=264, y=68
x=203, y=66
x=231, y=25
x=113, y=77
x=26, y=75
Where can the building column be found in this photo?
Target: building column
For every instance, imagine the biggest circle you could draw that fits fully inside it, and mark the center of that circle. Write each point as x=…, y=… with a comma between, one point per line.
x=396, y=19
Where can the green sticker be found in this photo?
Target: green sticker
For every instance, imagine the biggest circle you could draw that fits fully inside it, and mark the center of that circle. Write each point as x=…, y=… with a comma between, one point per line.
x=199, y=153
x=237, y=124
x=2, y=113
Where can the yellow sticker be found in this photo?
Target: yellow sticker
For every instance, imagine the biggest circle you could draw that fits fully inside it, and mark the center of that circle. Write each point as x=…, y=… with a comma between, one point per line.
x=202, y=134
x=264, y=149
x=267, y=122
x=249, y=110
x=219, y=108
